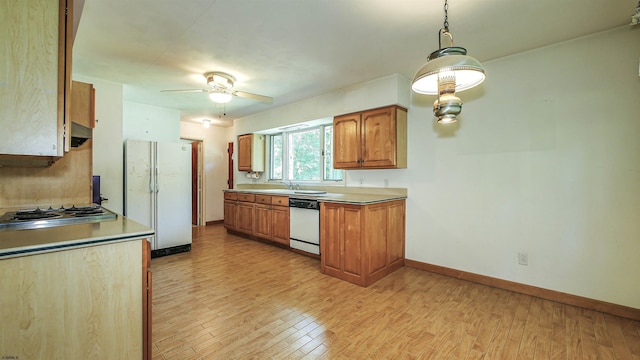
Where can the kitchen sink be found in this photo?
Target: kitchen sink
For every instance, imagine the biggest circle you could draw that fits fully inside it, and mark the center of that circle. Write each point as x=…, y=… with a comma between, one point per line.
x=310, y=192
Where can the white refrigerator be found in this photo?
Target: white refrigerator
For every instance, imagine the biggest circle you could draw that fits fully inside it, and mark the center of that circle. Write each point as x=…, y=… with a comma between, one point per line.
x=158, y=192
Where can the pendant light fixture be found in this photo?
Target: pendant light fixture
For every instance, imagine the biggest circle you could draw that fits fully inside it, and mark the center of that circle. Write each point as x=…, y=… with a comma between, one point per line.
x=447, y=70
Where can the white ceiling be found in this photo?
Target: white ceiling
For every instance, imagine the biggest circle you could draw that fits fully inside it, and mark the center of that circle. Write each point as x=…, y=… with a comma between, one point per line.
x=296, y=49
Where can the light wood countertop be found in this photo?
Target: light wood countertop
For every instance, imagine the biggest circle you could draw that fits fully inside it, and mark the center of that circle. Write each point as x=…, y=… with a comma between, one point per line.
x=359, y=197
x=349, y=198
x=14, y=243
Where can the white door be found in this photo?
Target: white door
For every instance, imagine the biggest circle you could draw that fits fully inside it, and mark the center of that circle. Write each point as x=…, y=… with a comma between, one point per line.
x=173, y=194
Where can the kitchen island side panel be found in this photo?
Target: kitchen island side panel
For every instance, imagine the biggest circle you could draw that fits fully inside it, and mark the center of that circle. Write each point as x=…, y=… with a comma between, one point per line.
x=81, y=303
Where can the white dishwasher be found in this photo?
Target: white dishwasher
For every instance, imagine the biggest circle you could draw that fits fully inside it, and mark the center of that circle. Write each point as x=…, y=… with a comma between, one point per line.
x=304, y=230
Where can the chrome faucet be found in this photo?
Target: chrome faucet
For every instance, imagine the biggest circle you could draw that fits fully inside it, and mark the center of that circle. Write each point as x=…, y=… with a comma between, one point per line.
x=297, y=186
x=289, y=185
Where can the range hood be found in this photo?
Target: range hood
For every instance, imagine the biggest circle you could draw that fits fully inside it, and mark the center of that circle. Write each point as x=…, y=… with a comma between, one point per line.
x=79, y=134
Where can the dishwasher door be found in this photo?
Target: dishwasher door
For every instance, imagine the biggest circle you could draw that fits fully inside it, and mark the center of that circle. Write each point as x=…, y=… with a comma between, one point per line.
x=304, y=226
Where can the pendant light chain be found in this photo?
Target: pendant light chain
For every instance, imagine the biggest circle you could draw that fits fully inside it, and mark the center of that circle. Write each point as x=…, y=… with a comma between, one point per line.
x=445, y=30
x=446, y=15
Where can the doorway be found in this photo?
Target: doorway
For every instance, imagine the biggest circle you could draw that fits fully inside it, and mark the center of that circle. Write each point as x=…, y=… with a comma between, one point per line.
x=197, y=183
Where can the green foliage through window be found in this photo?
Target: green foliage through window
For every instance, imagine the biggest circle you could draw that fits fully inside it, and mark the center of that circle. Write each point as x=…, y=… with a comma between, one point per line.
x=304, y=155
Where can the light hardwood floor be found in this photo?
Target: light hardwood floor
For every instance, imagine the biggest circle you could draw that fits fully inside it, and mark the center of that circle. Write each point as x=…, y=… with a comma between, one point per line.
x=235, y=298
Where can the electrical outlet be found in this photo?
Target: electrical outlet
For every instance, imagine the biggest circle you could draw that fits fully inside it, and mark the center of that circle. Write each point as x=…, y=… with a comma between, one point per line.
x=523, y=258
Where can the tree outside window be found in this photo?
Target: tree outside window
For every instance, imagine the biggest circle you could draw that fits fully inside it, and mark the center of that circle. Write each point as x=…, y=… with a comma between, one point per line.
x=308, y=155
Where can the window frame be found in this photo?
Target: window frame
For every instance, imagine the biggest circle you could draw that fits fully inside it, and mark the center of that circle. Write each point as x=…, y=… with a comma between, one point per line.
x=284, y=135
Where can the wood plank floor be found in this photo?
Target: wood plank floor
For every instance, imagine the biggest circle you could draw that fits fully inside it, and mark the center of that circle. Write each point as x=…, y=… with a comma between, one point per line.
x=234, y=298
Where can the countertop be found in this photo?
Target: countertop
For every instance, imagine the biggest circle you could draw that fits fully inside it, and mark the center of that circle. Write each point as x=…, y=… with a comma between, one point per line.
x=14, y=243
x=357, y=198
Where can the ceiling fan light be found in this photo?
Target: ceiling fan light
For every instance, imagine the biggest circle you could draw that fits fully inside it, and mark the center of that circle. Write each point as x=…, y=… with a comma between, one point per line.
x=220, y=97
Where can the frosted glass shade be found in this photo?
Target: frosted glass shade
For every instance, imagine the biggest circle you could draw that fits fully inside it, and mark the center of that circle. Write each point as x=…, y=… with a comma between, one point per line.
x=468, y=71
x=220, y=97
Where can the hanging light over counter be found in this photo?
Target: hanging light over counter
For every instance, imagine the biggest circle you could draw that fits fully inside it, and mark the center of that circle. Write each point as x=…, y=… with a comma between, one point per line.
x=447, y=70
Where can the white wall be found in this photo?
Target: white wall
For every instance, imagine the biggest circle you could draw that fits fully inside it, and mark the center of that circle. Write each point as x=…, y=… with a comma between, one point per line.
x=545, y=160
x=107, y=140
x=214, y=140
x=151, y=123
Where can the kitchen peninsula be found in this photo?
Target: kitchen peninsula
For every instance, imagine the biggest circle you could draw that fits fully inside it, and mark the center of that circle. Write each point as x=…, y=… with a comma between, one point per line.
x=76, y=291
x=362, y=230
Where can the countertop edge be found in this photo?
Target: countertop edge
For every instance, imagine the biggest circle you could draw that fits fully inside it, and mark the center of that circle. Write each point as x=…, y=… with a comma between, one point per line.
x=343, y=198
x=27, y=242
x=73, y=244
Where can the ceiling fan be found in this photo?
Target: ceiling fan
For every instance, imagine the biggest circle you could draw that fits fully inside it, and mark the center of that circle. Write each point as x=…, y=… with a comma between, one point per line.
x=220, y=89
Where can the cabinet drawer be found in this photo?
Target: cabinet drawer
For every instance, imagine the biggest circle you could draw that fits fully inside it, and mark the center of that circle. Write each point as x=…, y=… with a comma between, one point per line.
x=247, y=197
x=230, y=196
x=263, y=199
x=280, y=200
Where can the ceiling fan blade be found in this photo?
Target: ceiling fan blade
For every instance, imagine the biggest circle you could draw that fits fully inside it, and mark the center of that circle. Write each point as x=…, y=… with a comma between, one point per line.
x=186, y=90
x=265, y=99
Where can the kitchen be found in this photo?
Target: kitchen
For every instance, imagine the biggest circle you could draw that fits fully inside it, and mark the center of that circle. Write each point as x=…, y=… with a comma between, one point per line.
x=556, y=177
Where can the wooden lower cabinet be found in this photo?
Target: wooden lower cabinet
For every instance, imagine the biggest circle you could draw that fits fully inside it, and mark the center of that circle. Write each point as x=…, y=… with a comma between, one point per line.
x=272, y=218
x=230, y=214
x=263, y=216
x=263, y=221
x=146, y=301
x=81, y=303
x=280, y=224
x=245, y=217
x=362, y=243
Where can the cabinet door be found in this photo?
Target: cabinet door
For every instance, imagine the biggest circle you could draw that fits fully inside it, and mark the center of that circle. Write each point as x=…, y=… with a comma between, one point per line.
x=245, y=217
x=352, y=243
x=35, y=69
x=379, y=138
x=230, y=214
x=341, y=236
x=244, y=152
x=263, y=221
x=280, y=230
x=396, y=232
x=82, y=104
x=376, y=237
x=346, y=141
x=331, y=238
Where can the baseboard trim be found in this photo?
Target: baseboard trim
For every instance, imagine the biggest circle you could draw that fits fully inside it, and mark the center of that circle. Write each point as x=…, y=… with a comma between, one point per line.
x=215, y=222
x=587, y=303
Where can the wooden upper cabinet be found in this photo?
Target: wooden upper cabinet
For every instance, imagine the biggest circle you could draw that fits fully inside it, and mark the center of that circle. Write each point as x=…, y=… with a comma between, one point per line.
x=83, y=104
x=374, y=139
x=346, y=141
x=35, y=73
x=251, y=152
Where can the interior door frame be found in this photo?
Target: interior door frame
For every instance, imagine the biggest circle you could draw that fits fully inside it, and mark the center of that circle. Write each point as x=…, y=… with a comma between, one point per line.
x=201, y=181
x=230, y=164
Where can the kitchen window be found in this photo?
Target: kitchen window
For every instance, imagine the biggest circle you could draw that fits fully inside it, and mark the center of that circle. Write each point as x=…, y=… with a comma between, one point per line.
x=303, y=155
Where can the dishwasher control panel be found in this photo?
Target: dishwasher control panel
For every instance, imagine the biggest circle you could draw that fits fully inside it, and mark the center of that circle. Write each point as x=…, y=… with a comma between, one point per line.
x=304, y=204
